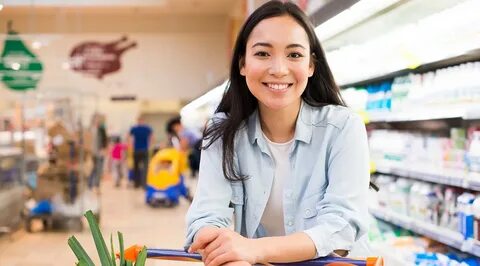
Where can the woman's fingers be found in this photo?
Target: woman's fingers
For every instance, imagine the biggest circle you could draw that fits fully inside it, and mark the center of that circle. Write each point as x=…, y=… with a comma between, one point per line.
x=212, y=246
x=214, y=253
x=203, y=238
x=221, y=259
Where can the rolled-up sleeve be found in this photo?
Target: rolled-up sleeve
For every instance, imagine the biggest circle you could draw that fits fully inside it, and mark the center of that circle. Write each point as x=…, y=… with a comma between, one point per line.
x=210, y=206
x=343, y=211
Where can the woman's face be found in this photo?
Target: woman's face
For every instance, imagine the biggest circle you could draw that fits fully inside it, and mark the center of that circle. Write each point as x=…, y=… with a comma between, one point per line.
x=277, y=63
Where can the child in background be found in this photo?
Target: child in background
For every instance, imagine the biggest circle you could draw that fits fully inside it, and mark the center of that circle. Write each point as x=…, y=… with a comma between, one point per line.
x=117, y=160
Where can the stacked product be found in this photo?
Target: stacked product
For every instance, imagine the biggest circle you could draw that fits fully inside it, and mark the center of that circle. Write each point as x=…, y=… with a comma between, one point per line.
x=460, y=151
x=441, y=88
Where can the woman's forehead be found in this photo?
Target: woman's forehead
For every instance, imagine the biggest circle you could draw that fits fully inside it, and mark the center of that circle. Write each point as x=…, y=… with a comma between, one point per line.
x=283, y=30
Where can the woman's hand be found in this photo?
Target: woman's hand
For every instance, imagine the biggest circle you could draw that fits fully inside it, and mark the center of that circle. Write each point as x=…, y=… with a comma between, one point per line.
x=237, y=263
x=219, y=246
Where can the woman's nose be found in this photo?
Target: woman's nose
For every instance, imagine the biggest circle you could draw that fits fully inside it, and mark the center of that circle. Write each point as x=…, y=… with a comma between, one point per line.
x=278, y=67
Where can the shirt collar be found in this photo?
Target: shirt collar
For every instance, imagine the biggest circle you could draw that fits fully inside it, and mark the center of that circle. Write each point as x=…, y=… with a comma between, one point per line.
x=303, y=127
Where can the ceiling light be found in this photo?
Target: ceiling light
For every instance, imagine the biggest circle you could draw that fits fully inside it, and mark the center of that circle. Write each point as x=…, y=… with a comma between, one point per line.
x=36, y=45
x=357, y=13
x=211, y=96
x=1, y=7
x=15, y=66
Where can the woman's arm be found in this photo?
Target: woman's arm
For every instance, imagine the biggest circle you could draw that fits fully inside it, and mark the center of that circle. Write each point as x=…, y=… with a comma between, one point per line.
x=295, y=247
x=221, y=245
x=210, y=206
x=343, y=210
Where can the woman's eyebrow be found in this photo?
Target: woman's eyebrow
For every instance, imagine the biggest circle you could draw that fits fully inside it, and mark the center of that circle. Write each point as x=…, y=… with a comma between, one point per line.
x=296, y=45
x=266, y=44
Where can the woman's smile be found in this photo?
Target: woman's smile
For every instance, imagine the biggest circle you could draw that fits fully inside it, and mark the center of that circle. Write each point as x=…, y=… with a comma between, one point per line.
x=277, y=87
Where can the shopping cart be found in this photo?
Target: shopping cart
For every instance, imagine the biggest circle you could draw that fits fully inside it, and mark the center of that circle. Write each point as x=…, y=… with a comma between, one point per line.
x=180, y=255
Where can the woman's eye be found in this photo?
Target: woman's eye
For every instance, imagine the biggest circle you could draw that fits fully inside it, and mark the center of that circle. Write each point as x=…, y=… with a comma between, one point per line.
x=295, y=55
x=262, y=54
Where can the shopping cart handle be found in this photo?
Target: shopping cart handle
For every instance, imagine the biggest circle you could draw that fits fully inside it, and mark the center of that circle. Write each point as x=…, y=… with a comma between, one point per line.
x=180, y=255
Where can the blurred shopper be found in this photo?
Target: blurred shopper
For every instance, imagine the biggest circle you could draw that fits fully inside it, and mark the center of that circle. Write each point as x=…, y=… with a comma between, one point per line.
x=99, y=149
x=117, y=155
x=282, y=152
x=186, y=140
x=140, y=138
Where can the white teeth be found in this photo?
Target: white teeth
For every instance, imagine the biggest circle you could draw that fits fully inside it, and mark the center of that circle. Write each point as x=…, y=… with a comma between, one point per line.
x=277, y=86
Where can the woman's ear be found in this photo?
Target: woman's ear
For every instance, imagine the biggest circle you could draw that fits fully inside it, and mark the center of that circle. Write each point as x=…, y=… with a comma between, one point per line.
x=241, y=66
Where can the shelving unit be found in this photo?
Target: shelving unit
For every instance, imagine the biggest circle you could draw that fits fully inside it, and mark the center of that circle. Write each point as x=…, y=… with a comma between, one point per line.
x=465, y=112
x=11, y=187
x=470, y=56
x=436, y=116
x=451, y=177
x=442, y=235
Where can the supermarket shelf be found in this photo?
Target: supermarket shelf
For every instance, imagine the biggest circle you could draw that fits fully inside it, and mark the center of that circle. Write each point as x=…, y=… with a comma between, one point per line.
x=470, y=56
x=442, y=235
x=451, y=177
x=468, y=112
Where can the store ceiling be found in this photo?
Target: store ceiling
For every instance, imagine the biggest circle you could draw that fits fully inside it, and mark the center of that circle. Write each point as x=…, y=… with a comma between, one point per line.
x=217, y=7
x=402, y=13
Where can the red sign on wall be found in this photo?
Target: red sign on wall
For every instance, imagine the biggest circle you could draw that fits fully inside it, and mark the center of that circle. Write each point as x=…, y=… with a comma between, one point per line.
x=98, y=59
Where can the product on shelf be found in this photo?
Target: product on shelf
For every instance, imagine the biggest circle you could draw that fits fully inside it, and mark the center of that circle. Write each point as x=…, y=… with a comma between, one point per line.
x=473, y=154
x=426, y=151
x=465, y=214
x=448, y=216
x=434, y=90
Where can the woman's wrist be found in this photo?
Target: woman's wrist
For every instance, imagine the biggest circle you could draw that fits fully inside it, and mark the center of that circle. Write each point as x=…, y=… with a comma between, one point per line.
x=261, y=251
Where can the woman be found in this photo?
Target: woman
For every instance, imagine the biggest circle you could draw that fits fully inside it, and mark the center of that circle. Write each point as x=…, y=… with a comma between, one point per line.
x=282, y=152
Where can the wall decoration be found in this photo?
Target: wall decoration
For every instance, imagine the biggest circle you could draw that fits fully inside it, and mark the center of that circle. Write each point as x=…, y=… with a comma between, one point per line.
x=99, y=59
x=20, y=69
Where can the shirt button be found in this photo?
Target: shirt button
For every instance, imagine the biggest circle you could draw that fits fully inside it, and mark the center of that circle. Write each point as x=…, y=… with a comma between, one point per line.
x=289, y=223
x=289, y=194
x=307, y=212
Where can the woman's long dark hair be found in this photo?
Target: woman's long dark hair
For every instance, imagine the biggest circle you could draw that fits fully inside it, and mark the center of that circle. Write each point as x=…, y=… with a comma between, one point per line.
x=238, y=103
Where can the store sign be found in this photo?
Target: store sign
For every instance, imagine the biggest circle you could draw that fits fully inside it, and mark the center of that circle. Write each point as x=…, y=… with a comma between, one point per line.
x=98, y=59
x=20, y=69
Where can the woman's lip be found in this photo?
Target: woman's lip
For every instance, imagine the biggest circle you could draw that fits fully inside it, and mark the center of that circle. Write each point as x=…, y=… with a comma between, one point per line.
x=278, y=83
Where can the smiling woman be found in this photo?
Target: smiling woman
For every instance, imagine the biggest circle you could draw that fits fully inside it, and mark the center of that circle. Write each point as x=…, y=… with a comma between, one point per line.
x=276, y=153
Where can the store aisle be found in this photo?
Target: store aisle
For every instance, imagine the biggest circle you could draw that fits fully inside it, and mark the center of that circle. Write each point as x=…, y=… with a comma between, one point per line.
x=123, y=210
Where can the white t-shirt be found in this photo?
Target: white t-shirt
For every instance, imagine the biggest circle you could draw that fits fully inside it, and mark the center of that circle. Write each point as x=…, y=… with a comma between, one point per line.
x=272, y=219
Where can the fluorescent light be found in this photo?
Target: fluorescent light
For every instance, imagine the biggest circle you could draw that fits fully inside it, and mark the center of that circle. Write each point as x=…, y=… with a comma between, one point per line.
x=360, y=11
x=36, y=45
x=211, y=96
x=15, y=66
x=409, y=46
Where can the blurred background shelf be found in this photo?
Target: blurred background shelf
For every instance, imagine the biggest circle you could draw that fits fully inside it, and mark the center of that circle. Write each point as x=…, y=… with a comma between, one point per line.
x=442, y=235
x=445, y=176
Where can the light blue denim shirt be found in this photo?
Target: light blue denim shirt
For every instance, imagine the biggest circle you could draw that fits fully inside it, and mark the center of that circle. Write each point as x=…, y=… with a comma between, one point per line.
x=326, y=196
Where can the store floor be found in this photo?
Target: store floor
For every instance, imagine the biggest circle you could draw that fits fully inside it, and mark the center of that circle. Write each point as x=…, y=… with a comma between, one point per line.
x=123, y=210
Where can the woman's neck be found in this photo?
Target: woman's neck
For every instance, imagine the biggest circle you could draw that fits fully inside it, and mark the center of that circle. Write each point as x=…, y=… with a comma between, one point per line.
x=279, y=125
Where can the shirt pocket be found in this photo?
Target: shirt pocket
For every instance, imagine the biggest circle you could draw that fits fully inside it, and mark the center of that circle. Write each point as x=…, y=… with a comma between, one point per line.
x=309, y=211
